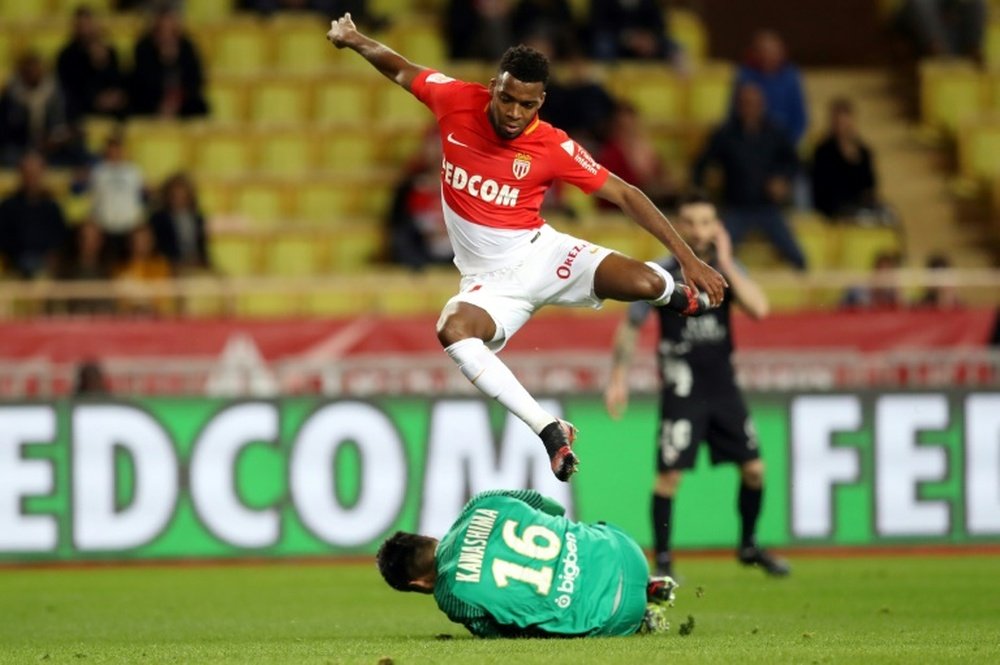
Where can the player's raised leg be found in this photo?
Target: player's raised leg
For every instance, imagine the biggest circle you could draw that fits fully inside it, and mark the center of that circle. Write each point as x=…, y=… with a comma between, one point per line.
x=463, y=331
x=619, y=277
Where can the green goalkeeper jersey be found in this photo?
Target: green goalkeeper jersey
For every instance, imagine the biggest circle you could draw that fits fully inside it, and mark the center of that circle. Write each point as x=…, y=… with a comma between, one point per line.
x=513, y=565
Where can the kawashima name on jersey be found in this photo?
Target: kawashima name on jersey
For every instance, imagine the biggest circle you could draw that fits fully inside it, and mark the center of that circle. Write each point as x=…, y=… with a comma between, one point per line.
x=494, y=182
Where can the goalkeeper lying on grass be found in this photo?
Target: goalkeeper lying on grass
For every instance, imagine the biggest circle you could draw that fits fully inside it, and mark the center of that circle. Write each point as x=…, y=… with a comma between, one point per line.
x=513, y=566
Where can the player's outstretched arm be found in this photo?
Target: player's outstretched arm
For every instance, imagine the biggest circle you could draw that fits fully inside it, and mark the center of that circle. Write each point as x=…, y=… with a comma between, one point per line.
x=344, y=34
x=616, y=394
x=637, y=205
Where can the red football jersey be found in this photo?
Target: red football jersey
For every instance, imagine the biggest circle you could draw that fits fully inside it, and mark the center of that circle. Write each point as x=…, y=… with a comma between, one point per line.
x=491, y=181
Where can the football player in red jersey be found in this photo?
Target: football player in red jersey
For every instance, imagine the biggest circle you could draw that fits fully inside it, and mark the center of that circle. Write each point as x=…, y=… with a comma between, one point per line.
x=499, y=159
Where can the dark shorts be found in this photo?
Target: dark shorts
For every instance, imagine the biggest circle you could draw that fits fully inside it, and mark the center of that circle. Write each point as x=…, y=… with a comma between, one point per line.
x=721, y=421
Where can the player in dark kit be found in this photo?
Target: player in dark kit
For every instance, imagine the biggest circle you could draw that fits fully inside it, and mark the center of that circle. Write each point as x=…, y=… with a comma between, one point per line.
x=499, y=158
x=700, y=400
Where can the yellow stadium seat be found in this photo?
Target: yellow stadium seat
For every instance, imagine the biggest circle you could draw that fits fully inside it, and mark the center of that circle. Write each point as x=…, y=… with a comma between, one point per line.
x=243, y=50
x=349, y=152
x=97, y=130
x=398, y=147
x=326, y=202
x=356, y=247
x=287, y=153
x=263, y=204
x=158, y=148
x=656, y=94
x=23, y=10
x=300, y=48
x=420, y=41
x=228, y=102
x=223, y=154
x=687, y=29
x=268, y=305
x=46, y=39
x=279, y=103
x=979, y=151
x=817, y=240
x=757, y=253
x=235, y=255
x=859, y=245
x=344, y=101
x=396, y=108
x=950, y=94
x=207, y=11
x=709, y=91
x=214, y=197
x=991, y=45
x=293, y=256
x=337, y=302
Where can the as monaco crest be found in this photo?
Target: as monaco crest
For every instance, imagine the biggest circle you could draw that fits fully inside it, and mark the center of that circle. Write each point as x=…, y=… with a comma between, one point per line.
x=522, y=164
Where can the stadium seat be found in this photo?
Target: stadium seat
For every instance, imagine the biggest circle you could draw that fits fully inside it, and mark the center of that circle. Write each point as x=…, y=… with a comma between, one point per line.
x=279, y=103
x=398, y=146
x=268, y=305
x=343, y=101
x=656, y=93
x=979, y=151
x=214, y=197
x=356, y=247
x=228, y=101
x=817, y=240
x=286, y=153
x=859, y=245
x=394, y=108
x=337, y=303
x=66, y=7
x=347, y=152
x=46, y=39
x=235, y=255
x=293, y=256
x=208, y=11
x=23, y=11
x=326, y=202
x=241, y=49
x=420, y=41
x=709, y=91
x=223, y=153
x=97, y=130
x=687, y=29
x=950, y=94
x=300, y=49
x=264, y=204
x=991, y=45
x=159, y=148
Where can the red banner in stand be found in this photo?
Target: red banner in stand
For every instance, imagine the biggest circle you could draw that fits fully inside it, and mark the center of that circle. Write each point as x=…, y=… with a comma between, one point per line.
x=74, y=340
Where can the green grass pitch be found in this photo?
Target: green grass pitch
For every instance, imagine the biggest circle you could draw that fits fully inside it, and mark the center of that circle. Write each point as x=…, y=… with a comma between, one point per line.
x=832, y=610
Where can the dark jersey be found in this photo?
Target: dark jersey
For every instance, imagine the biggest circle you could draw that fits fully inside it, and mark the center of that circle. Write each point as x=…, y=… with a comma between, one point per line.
x=694, y=353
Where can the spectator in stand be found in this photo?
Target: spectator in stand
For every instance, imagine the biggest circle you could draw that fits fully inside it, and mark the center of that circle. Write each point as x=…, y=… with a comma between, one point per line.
x=33, y=117
x=629, y=153
x=168, y=78
x=32, y=227
x=144, y=265
x=179, y=227
x=768, y=68
x=117, y=190
x=90, y=380
x=757, y=163
x=844, y=185
x=89, y=72
x=88, y=263
x=883, y=291
x=575, y=100
x=417, y=235
x=479, y=29
x=939, y=297
x=629, y=29
x=945, y=27
x=553, y=18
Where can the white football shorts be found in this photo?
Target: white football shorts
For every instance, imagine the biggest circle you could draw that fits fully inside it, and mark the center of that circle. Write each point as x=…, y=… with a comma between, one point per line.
x=556, y=269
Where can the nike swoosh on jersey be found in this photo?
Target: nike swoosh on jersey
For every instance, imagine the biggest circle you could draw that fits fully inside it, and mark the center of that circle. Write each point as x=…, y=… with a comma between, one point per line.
x=452, y=139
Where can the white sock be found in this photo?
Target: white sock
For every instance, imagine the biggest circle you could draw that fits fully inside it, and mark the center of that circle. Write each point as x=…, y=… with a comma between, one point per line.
x=668, y=279
x=494, y=379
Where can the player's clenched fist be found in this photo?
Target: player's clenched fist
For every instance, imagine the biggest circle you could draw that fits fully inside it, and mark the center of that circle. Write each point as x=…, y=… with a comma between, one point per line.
x=340, y=30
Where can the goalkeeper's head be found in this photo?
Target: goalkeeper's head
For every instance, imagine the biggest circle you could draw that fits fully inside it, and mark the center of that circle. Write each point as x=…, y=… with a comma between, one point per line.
x=407, y=562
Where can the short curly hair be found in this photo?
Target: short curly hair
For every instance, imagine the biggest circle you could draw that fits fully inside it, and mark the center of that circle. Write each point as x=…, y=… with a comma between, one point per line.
x=525, y=64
